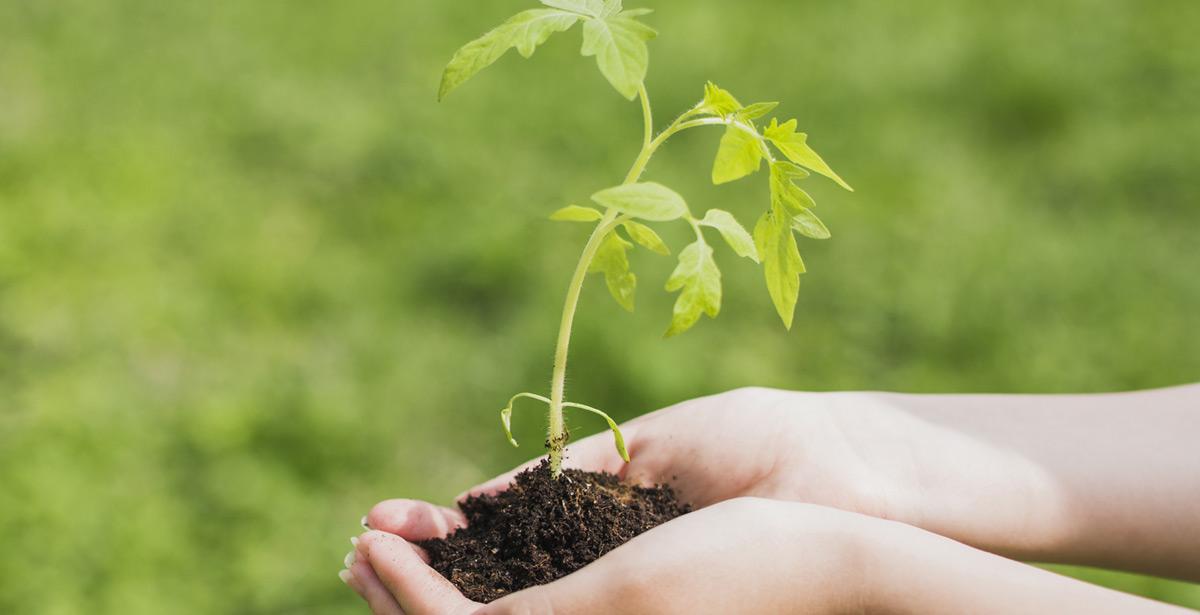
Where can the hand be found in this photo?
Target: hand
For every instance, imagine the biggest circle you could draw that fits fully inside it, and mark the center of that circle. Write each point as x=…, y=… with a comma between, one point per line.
x=748, y=442
x=1052, y=478
x=742, y=555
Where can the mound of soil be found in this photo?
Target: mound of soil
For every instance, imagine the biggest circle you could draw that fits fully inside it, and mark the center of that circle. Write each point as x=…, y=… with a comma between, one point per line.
x=541, y=529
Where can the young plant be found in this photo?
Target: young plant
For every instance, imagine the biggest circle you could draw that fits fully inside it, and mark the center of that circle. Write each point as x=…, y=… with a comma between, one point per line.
x=617, y=39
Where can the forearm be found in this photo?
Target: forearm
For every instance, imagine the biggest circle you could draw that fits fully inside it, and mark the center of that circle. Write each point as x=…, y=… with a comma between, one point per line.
x=1107, y=480
x=913, y=571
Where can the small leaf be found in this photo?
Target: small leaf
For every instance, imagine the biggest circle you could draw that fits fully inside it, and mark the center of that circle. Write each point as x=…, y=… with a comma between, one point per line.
x=525, y=31
x=740, y=155
x=757, y=110
x=576, y=213
x=700, y=280
x=785, y=192
x=612, y=259
x=789, y=170
x=782, y=264
x=648, y=201
x=592, y=8
x=636, y=12
x=718, y=101
x=794, y=145
x=808, y=224
x=733, y=232
x=610, y=8
x=506, y=413
x=506, y=420
x=619, y=44
x=646, y=237
x=618, y=438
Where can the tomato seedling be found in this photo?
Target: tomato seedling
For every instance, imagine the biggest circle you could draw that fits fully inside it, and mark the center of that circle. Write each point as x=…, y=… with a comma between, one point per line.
x=618, y=40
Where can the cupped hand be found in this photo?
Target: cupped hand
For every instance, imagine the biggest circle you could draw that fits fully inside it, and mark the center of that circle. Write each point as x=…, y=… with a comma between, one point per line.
x=748, y=442
x=741, y=555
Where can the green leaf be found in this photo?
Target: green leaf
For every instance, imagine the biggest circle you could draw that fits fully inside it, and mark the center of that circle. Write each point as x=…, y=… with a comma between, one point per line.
x=612, y=259
x=757, y=110
x=646, y=237
x=740, y=155
x=794, y=145
x=789, y=170
x=525, y=31
x=784, y=192
x=733, y=232
x=592, y=8
x=718, y=101
x=575, y=213
x=506, y=413
x=782, y=264
x=648, y=201
x=636, y=12
x=808, y=224
x=618, y=438
x=700, y=280
x=619, y=43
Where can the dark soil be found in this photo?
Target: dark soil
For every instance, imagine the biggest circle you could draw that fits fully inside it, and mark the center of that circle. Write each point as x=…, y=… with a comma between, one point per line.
x=541, y=529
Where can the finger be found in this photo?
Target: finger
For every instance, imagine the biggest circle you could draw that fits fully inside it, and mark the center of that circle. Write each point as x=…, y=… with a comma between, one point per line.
x=595, y=453
x=367, y=584
x=419, y=589
x=361, y=553
x=414, y=519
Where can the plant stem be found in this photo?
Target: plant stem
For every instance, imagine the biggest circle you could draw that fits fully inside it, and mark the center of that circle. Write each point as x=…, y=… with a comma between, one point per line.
x=556, y=436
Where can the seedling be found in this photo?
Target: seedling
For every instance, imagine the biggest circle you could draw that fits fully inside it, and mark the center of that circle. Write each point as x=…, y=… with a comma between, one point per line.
x=617, y=39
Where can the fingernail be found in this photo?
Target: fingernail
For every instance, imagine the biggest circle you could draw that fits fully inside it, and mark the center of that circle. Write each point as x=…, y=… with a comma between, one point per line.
x=350, y=559
x=363, y=522
x=354, y=540
x=345, y=576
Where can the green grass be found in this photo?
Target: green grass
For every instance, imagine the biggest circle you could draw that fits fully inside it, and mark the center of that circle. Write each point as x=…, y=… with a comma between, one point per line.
x=253, y=279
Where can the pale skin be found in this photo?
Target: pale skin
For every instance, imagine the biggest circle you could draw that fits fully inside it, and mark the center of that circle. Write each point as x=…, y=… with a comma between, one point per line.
x=860, y=502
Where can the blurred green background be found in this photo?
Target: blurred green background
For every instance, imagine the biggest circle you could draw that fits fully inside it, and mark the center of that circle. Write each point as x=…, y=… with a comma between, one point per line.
x=254, y=279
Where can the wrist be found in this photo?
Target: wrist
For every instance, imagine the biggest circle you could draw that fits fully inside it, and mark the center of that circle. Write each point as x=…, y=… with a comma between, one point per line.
x=941, y=472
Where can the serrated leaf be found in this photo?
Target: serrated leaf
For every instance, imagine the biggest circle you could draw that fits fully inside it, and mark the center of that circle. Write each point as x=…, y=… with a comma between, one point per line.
x=612, y=259
x=757, y=110
x=576, y=213
x=619, y=43
x=524, y=31
x=648, y=201
x=646, y=237
x=781, y=260
x=789, y=170
x=740, y=155
x=587, y=7
x=784, y=192
x=808, y=224
x=794, y=145
x=610, y=8
x=732, y=231
x=718, y=101
x=699, y=278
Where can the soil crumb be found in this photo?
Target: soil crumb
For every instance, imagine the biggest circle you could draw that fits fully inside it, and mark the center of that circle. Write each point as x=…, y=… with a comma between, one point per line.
x=541, y=529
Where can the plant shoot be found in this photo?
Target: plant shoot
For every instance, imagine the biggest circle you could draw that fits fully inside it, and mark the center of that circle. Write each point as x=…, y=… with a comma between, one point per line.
x=620, y=214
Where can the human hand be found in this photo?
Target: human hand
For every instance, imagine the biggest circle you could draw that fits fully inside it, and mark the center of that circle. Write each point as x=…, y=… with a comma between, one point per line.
x=1057, y=478
x=741, y=555
x=856, y=451
x=744, y=555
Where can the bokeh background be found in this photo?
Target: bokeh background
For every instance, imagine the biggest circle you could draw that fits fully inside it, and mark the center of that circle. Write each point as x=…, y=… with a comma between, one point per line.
x=254, y=279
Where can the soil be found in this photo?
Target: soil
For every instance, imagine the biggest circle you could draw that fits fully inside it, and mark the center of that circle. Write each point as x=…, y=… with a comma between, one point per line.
x=541, y=529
